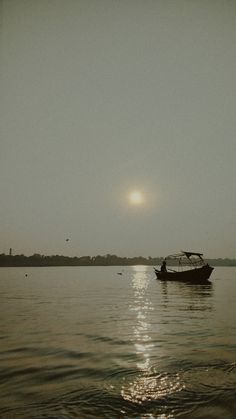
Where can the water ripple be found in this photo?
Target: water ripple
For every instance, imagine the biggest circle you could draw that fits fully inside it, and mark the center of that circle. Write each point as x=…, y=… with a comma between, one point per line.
x=148, y=350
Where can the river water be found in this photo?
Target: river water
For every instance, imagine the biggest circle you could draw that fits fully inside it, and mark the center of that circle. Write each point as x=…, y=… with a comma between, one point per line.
x=85, y=342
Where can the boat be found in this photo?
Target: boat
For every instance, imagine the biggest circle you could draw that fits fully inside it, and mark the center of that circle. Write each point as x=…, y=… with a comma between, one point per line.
x=191, y=268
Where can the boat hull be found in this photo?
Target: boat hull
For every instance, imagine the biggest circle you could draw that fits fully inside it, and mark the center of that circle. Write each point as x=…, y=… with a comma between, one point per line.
x=195, y=276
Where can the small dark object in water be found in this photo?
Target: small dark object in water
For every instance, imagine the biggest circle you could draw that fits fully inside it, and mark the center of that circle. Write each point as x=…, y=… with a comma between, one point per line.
x=67, y=240
x=119, y=273
x=26, y=274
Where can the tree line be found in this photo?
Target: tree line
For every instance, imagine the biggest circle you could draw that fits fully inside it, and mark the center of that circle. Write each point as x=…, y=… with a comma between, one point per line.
x=105, y=260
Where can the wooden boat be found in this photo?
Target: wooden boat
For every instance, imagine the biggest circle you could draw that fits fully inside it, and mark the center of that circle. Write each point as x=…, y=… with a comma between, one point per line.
x=191, y=268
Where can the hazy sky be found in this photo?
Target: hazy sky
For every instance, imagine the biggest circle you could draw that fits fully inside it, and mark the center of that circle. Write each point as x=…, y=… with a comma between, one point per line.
x=103, y=97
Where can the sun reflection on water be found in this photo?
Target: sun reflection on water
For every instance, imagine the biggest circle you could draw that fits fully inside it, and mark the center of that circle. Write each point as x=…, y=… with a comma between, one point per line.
x=149, y=384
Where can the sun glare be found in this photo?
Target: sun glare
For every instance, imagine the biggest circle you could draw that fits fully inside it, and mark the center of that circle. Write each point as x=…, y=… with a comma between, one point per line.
x=136, y=198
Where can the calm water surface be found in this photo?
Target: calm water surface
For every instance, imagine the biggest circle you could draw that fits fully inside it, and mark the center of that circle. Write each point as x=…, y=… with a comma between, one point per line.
x=84, y=342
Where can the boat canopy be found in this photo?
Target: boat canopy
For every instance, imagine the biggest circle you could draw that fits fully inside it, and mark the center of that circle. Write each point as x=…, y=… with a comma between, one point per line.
x=186, y=258
x=184, y=253
x=189, y=254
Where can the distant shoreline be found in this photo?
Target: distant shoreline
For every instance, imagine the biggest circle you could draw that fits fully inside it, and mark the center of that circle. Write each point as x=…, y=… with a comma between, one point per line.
x=38, y=260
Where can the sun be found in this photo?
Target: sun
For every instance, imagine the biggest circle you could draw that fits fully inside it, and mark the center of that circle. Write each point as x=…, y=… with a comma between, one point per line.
x=136, y=198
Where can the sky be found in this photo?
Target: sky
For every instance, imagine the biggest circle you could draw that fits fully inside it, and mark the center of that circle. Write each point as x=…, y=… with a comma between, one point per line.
x=101, y=98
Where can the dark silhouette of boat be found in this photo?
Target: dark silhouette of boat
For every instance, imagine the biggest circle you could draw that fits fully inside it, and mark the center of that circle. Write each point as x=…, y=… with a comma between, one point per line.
x=191, y=268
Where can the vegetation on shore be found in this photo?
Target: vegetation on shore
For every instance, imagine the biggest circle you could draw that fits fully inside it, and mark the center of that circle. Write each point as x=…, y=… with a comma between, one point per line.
x=106, y=260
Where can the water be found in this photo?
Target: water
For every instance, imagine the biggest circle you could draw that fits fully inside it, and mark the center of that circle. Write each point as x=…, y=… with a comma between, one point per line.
x=84, y=342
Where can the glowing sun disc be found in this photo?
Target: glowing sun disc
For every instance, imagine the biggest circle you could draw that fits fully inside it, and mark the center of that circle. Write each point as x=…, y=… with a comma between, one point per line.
x=136, y=198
